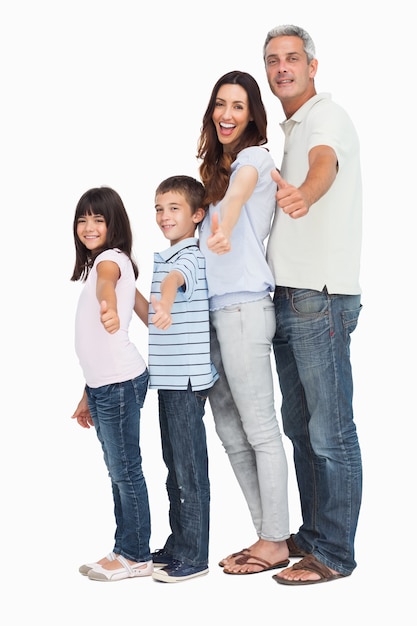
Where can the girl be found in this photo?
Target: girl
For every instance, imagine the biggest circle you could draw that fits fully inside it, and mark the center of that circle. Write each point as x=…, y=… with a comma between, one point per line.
x=115, y=373
x=236, y=172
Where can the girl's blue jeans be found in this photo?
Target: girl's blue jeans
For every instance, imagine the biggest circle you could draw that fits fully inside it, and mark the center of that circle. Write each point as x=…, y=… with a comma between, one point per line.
x=115, y=410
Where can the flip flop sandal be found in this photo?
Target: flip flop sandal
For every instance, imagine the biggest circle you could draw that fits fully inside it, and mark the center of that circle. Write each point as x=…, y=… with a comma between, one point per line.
x=310, y=564
x=294, y=550
x=233, y=556
x=248, y=559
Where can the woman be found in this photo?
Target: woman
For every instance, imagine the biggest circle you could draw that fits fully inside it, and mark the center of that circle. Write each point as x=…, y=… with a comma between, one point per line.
x=240, y=193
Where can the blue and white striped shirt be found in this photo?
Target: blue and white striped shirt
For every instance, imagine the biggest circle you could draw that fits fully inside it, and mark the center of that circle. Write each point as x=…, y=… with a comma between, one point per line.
x=181, y=354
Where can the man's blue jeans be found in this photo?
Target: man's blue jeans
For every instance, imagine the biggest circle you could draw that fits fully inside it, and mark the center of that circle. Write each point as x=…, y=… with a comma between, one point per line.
x=115, y=410
x=312, y=354
x=184, y=449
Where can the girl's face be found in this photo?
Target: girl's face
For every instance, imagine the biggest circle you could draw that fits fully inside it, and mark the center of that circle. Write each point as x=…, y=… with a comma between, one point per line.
x=231, y=115
x=92, y=231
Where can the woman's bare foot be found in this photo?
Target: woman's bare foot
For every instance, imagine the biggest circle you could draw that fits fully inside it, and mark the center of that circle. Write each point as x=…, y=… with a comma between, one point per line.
x=245, y=562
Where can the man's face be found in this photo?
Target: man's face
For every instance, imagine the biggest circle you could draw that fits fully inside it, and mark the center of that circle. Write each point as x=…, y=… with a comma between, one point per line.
x=290, y=76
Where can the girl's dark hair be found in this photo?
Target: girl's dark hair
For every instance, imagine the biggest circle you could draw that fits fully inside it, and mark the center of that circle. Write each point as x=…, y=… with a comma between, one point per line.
x=106, y=202
x=215, y=167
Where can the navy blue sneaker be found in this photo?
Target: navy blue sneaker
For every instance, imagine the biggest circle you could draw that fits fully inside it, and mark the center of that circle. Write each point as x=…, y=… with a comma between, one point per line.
x=178, y=571
x=161, y=558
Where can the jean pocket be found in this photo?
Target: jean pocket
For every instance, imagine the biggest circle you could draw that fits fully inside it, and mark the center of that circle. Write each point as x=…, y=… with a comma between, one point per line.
x=309, y=303
x=350, y=319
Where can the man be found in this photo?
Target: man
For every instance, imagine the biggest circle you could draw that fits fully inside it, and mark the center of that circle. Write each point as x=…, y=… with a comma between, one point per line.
x=314, y=253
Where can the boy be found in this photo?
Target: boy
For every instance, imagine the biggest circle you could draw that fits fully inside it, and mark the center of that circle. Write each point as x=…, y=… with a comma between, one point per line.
x=180, y=369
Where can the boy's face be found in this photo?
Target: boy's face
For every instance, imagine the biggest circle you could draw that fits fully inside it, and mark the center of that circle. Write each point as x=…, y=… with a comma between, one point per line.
x=174, y=218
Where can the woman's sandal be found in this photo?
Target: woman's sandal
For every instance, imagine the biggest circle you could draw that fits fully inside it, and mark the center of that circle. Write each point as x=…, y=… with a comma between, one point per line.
x=249, y=559
x=294, y=551
x=223, y=563
x=126, y=571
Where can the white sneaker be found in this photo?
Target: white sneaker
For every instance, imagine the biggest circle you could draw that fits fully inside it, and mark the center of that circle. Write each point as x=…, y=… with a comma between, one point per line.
x=126, y=571
x=84, y=569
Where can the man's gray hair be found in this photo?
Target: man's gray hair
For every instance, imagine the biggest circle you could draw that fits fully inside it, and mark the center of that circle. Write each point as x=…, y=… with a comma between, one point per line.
x=293, y=31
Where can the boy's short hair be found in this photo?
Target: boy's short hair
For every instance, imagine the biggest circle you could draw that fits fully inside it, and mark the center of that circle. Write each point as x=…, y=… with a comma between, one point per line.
x=190, y=188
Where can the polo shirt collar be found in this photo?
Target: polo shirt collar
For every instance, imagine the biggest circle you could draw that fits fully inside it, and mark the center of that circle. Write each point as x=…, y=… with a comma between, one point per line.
x=177, y=247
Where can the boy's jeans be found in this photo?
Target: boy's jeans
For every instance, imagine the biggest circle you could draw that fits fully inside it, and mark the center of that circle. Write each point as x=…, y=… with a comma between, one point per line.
x=184, y=449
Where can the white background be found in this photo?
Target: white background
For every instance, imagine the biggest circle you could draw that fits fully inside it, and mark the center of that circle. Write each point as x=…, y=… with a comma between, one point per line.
x=113, y=93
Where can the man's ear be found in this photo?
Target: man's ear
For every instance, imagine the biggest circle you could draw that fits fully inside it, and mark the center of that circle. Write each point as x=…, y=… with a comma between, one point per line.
x=313, y=67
